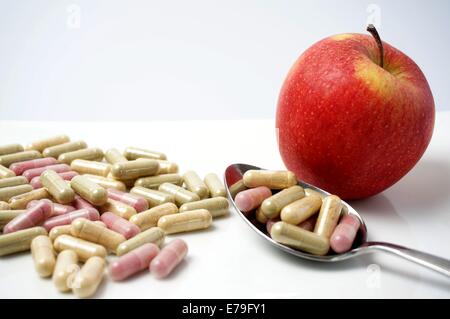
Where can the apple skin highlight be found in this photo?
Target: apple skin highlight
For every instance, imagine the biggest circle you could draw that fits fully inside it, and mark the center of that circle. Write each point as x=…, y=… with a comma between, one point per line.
x=347, y=125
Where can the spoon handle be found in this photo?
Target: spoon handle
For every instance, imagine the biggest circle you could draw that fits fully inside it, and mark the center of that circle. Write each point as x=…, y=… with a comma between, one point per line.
x=433, y=262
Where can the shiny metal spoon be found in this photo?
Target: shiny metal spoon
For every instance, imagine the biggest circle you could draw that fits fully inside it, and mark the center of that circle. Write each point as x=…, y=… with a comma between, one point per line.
x=361, y=246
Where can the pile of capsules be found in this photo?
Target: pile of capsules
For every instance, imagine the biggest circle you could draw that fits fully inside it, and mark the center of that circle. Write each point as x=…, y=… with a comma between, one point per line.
x=296, y=217
x=60, y=200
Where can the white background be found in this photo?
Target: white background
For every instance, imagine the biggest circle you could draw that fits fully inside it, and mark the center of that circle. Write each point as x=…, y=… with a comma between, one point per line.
x=181, y=60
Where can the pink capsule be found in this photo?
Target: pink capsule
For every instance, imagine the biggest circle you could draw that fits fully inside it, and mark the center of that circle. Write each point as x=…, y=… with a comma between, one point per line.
x=169, y=257
x=250, y=199
x=138, y=203
x=58, y=209
x=270, y=223
x=120, y=225
x=132, y=262
x=31, y=217
x=309, y=224
x=36, y=181
x=58, y=168
x=80, y=203
x=344, y=234
x=66, y=219
x=21, y=167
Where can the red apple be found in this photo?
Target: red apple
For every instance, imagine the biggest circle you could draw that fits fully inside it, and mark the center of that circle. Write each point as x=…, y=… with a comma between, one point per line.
x=350, y=122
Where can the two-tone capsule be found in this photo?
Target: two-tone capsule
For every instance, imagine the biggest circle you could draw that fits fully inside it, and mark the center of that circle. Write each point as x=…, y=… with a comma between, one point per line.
x=250, y=199
x=66, y=219
x=132, y=262
x=31, y=217
x=138, y=203
x=20, y=167
x=120, y=225
x=169, y=258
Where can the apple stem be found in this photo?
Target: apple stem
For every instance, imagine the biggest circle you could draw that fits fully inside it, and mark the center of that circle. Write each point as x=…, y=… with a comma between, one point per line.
x=373, y=31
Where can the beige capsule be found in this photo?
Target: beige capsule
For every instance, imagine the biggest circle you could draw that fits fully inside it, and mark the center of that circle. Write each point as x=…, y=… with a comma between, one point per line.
x=43, y=255
x=57, y=231
x=13, y=181
x=328, y=216
x=118, y=208
x=8, y=215
x=153, y=235
x=185, y=222
x=299, y=238
x=88, y=190
x=215, y=185
x=181, y=195
x=57, y=187
x=271, y=179
x=310, y=192
x=20, y=240
x=55, y=151
x=166, y=167
x=153, y=197
x=126, y=182
x=113, y=156
x=90, y=231
x=90, y=167
x=92, y=154
x=237, y=187
x=300, y=210
x=149, y=218
x=66, y=266
x=195, y=184
x=134, y=169
x=260, y=217
x=6, y=172
x=153, y=182
x=10, y=149
x=21, y=201
x=272, y=206
x=41, y=145
x=100, y=223
x=217, y=206
x=4, y=206
x=106, y=182
x=133, y=153
x=8, y=192
x=85, y=282
x=83, y=248
x=9, y=159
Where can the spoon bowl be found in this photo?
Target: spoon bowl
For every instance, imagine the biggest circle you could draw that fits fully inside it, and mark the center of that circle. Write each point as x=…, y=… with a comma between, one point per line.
x=234, y=173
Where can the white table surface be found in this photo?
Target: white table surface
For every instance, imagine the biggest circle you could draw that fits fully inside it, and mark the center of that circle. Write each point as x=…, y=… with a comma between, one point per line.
x=231, y=261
